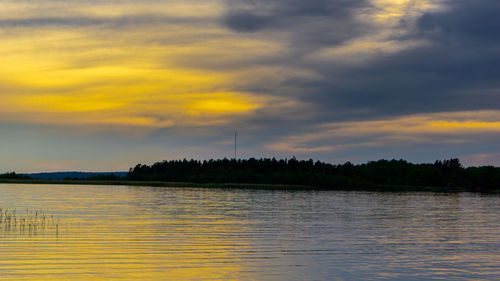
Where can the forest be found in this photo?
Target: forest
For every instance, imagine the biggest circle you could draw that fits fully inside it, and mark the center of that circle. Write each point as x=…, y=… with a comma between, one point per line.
x=446, y=175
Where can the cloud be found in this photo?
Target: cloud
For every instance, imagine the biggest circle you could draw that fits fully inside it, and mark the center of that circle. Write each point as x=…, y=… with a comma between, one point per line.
x=407, y=131
x=347, y=59
x=463, y=21
x=310, y=23
x=438, y=60
x=248, y=16
x=109, y=22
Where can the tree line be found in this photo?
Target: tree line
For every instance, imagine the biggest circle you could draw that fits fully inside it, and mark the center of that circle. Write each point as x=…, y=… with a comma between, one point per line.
x=446, y=175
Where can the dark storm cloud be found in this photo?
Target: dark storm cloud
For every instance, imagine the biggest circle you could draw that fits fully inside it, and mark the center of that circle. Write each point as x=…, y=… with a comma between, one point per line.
x=457, y=69
x=467, y=22
x=254, y=15
x=432, y=79
x=315, y=22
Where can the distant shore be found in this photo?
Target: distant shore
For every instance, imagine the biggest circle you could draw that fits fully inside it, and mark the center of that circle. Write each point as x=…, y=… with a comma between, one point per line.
x=159, y=184
x=392, y=188
x=288, y=174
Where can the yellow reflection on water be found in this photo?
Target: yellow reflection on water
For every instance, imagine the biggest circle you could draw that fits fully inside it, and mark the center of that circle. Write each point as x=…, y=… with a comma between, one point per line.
x=126, y=242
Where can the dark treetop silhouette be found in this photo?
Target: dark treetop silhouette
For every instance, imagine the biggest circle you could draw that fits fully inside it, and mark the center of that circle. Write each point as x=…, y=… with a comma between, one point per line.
x=447, y=175
x=382, y=175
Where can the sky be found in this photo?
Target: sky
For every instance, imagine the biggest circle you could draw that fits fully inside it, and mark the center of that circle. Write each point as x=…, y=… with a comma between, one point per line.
x=93, y=85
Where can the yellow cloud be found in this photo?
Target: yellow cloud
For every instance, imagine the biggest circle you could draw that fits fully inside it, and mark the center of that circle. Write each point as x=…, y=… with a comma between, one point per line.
x=452, y=123
x=169, y=110
x=390, y=11
x=406, y=130
x=84, y=76
x=221, y=104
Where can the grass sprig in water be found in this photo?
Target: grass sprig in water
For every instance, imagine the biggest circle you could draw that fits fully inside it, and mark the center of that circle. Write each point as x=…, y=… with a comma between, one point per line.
x=31, y=222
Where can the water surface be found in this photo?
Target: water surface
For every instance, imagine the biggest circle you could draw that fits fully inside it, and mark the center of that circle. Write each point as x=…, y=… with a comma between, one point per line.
x=150, y=233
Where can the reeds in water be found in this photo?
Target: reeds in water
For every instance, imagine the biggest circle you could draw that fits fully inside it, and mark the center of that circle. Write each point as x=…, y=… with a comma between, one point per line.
x=31, y=222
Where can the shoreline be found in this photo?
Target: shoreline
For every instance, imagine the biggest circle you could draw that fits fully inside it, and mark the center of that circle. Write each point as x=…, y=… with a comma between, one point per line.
x=162, y=184
x=395, y=188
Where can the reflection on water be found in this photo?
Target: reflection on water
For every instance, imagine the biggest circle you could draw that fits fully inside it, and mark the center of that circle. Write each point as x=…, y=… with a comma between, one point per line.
x=147, y=233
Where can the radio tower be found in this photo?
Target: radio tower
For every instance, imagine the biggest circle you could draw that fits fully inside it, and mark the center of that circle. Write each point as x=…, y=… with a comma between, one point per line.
x=235, y=143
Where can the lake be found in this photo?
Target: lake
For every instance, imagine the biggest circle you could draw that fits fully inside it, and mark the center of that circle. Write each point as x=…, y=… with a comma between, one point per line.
x=63, y=232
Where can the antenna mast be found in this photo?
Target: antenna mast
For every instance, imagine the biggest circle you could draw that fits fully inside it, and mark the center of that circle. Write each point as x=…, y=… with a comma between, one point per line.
x=235, y=143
